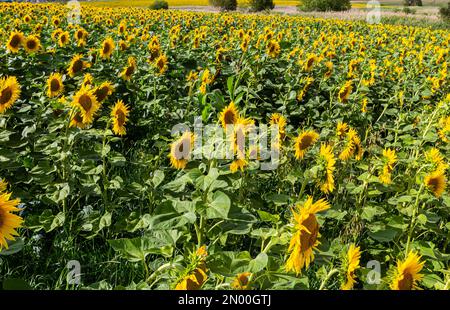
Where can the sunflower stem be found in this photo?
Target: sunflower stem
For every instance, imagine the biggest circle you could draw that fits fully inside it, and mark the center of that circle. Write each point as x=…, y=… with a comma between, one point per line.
x=413, y=220
x=329, y=275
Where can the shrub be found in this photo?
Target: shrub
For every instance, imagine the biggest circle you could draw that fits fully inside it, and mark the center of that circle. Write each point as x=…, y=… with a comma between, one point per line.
x=225, y=5
x=261, y=5
x=413, y=2
x=407, y=10
x=159, y=5
x=445, y=13
x=325, y=5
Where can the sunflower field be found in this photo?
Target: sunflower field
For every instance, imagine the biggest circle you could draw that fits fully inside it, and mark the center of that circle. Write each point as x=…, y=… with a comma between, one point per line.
x=90, y=172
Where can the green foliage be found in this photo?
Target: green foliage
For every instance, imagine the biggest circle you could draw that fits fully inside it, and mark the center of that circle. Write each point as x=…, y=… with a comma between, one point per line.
x=159, y=5
x=445, y=13
x=261, y=5
x=408, y=10
x=224, y=5
x=325, y=5
x=413, y=2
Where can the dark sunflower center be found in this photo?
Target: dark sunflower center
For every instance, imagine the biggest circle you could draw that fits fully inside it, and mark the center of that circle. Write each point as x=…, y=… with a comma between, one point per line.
x=129, y=71
x=86, y=102
x=120, y=118
x=5, y=95
x=433, y=182
x=15, y=41
x=106, y=48
x=31, y=44
x=243, y=280
x=63, y=39
x=180, y=148
x=310, y=62
x=308, y=240
x=54, y=85
x=229, y=117
x=306, y=142
x=79, y=35
x=101, y=93
x=77, y=66
x=78, y=118
x=406, y=283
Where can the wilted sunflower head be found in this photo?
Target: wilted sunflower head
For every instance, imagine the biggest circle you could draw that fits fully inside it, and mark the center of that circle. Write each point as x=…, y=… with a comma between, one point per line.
x=32, y=44
x=16, y=39
x=55, y=85
x=9, y=92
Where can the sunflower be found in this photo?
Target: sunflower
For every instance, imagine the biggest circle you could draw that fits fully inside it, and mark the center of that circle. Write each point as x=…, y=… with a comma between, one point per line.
x=238, y=164
x=329, y=65
x=55, y=85
x=304, y=140
x=129, y=70
x=345, y=92
x=435, y=157
x=341, y=129
x=229, y=115
x=309, y=63
x=77, y=120
x=280, y=120
x=161, y=64
x=242, y=281
x=119, y=116
x=350, y=266
x=76, y=65
x=407, y=273
x=3, y=185
x=80, y=34
x=63, y=39
x=32, y=44
x=87, y=104
x=9, y=92
x=16, y=39
x=8, y=222
x=436, y=182
x=390, y=158
x=88, y=80
x=103, y=91
x=195, y=274
x=353, y=143
x=273, y=48
x=306, y=234
x=107, y=49
x=180, y=150
x=326, y=155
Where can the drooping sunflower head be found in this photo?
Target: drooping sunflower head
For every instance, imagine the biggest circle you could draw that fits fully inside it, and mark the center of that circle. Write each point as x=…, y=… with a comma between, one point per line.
x=180, y=150
x=326, y=157
x=103, y=91
x=304, y=141
x=32, y=44
x=9, y=222
x=76, y=65
x=86, y=102
x=9, y=92
x=305, y=234
x=55, y=85
x=341, y=129
x=241, y=281
x=350, y=265
x=229, y=115
x=107, y=48
x=436, y=182
x=407, y=273
x=119, y=116
x=16, y=39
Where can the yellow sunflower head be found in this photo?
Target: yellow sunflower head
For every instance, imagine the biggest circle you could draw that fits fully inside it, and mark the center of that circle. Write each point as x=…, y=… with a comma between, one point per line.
x=77, y=120
x=280, y=120
x=107, y=48
x=241, y=281
x=119, y=116
x=407, y=273
x=436, y=182
x=326, y=156
x=351, y=263
x=76, y=65
x=273, y=48
x=63, y=39
x=86, y=102
x=304, y=141
x=32, y=44
x=305, y=237
x=55, y=85
x=9, y=92
x=229, y=115
x=161, y=64
x=345, y=91
x=389, y=159
x=16, y=39
x=103, y=91
x=341, y=129
x=9, y=222
x=180, y=150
